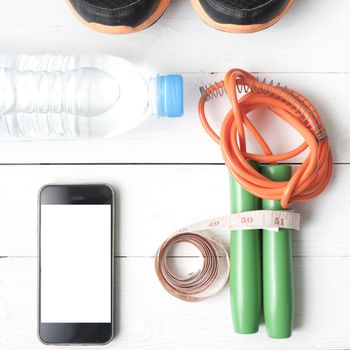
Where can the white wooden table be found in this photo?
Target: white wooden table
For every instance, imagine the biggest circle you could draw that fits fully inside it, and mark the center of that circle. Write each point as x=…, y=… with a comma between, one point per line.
x=168, y=173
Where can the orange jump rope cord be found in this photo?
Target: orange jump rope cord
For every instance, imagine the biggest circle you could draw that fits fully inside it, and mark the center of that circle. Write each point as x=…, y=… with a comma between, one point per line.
x=314, y=174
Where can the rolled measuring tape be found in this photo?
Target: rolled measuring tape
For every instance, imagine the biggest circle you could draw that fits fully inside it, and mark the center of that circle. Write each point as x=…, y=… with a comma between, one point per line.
x=212, y=277
x=200, y=284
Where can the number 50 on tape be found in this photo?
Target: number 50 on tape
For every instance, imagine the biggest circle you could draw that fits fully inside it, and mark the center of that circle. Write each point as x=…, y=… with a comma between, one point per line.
x=250, y=220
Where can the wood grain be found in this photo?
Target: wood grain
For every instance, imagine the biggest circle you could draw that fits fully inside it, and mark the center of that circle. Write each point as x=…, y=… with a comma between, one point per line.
x=156, y=200
x=312, y=37
x=149, y=318
x=184, y=140
x=168, y=173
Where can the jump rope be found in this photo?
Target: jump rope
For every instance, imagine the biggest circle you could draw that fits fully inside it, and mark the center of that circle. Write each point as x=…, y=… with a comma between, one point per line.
x=261, y=272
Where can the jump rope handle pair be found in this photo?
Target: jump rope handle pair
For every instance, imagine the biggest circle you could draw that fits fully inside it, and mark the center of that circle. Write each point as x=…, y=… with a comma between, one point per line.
x=261, y=276
x=261, y=268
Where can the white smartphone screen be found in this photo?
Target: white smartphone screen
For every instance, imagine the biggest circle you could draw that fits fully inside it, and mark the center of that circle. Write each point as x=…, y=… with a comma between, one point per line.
x=75, y=263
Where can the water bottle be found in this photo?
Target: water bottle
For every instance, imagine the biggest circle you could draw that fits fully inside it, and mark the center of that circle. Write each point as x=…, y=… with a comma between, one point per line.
x=80, y=96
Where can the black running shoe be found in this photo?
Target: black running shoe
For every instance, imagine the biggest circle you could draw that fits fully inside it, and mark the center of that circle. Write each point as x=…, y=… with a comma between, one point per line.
x=241, y=16
x=118, y=16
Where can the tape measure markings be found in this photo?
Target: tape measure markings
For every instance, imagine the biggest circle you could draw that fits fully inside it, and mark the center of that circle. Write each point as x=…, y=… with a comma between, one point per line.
x=250, y=220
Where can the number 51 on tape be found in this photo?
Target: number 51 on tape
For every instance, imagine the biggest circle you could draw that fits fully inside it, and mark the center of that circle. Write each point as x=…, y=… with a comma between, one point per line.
x=250, y=220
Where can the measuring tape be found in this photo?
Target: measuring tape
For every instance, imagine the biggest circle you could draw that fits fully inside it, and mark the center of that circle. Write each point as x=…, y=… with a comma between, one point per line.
x=197, y=285
x=251, y=220
x=212, y=277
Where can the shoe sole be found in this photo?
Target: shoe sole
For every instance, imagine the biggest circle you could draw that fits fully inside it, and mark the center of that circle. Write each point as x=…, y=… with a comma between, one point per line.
x=102, y=28
x=238, y=28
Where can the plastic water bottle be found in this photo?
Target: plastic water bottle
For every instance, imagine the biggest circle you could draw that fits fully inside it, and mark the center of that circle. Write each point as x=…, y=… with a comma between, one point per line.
x=80, y=96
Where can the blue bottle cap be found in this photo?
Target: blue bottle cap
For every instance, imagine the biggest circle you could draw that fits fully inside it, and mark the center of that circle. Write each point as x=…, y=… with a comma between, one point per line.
x=170, y=95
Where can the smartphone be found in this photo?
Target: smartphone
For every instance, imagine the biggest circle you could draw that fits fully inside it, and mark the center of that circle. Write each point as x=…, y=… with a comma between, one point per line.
x=75, y=265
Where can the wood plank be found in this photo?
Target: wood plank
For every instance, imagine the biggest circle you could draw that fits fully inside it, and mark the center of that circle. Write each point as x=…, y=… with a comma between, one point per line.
x=312, y=37
x=155, y=201
x=149, y=318
x=308, y=50
x=185, y=141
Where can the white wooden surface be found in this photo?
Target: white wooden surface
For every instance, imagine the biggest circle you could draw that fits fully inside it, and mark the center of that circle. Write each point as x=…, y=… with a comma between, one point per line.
x=168, y=173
